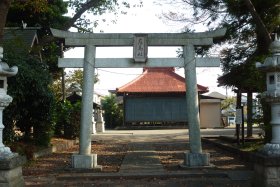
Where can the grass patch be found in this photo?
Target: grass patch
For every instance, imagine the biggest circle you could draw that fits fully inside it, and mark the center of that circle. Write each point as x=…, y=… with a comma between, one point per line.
x=251, y=146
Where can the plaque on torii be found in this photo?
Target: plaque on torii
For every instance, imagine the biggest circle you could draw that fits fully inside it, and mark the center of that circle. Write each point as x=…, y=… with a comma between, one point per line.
x=140, y=48
x=140, y=42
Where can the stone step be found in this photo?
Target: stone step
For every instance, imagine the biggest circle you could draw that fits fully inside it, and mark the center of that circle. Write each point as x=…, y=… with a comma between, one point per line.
x=151, y=181
x=186, y=174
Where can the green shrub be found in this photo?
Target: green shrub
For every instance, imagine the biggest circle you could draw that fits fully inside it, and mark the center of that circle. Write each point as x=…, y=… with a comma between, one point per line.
x=61, y=117
x=68, y=119
x=32, y=98
x=72, y=128
x=113, y=112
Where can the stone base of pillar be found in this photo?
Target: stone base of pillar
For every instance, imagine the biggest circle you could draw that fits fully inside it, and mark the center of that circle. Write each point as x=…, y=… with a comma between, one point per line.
x=93, y=127
x=85, y=162
x=100, y=127
x=11, y=171
x=197, y=159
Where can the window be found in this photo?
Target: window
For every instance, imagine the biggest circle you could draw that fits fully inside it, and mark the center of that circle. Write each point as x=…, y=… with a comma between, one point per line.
x=1, y=83
x=271, y=79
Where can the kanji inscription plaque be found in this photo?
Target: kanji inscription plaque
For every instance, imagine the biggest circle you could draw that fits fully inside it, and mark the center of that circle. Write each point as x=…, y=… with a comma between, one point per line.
x=140, y=48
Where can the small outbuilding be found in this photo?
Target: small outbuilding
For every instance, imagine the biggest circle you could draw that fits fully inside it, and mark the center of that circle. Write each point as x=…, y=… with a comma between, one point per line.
x=210, y=110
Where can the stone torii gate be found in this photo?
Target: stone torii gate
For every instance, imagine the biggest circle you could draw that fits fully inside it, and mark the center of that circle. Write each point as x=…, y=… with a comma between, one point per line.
x=140, y=42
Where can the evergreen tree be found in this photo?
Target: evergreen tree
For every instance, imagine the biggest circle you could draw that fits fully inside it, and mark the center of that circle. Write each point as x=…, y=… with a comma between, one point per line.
x=250, y=25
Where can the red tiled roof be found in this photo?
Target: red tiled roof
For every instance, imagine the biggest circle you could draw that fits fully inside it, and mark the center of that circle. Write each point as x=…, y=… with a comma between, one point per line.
x=158, y=80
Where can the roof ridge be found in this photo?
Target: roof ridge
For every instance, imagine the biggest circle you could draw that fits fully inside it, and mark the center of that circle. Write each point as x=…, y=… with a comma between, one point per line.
x=157, y=82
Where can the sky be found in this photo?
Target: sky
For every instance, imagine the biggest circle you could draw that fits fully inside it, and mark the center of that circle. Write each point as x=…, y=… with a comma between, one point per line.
x=145, y=19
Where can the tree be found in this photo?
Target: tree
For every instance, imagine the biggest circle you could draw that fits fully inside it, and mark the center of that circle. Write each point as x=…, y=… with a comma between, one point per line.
x=51, y=14
x=76, y=76
x=113, y=112
x=4, y=8
x=95, y=7
x=37, y=13
x=35, y=110
x=32, y=98
x=72, y=77
x=249, y=24
x=67, y=119
x=254, y=26
x=248, y=32
x=229, y=101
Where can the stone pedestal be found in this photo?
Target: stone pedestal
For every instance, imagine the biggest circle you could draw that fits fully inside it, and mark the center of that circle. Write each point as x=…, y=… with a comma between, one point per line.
x=11, y=171
x=266, y=171
x=100, y=127
x=93, y=127
x=196, y=159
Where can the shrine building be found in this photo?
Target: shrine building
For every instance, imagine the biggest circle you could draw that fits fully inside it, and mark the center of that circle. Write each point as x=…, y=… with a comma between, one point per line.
x=158, y=97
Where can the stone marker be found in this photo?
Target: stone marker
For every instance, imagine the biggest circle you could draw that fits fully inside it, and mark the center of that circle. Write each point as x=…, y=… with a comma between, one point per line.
x=267, y=161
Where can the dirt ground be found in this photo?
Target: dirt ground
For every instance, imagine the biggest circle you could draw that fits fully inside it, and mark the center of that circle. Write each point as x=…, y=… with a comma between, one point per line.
x=111, y=154
x=111, y=148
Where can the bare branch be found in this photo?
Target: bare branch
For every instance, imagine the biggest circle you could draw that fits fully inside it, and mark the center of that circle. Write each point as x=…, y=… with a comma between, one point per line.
x=84, y=7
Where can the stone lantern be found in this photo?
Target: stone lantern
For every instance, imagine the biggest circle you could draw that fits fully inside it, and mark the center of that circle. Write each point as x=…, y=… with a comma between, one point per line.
x=267, y=160
x=10, y=163
x=100, y=124
x=5, y=100
x=272, y=68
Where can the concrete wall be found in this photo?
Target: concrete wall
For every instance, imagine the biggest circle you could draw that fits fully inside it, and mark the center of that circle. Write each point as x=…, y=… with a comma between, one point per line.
x=210, y=113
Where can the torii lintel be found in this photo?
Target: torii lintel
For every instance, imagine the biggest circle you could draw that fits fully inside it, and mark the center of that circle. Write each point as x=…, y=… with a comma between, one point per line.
x=126, y=39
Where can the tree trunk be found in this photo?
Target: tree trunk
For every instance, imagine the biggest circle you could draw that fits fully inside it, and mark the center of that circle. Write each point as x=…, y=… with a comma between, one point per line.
x=4, y=8
x=249, y=114
x=263, y=36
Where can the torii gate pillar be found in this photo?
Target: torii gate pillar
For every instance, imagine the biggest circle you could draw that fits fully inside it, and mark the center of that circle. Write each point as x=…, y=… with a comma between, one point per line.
x=195, y=157
x=85, y=159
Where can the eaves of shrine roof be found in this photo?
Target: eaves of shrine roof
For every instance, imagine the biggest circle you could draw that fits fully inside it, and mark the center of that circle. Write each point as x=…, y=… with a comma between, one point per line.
x=28, y=35
x=158, y=80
